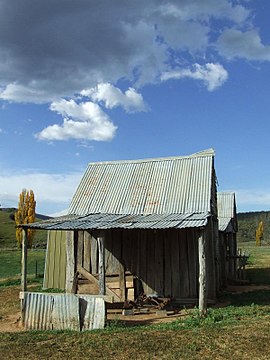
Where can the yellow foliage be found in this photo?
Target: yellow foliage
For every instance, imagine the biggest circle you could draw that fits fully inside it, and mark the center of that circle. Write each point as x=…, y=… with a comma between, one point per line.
x=259, y=234
x=25, y=215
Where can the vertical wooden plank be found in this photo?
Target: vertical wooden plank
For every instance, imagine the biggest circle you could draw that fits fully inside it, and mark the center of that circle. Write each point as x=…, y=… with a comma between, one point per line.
x=80, y=250
x=151, y=263
x=122, y=282
x=184, y=277
x=133, y=256
x=127, y=250
x=70, y=268
x=24, y=261
x=217, y=255
x=202, y=274
x=62, y=261
x=49, y=261
x=101, y=265
x=116, y=250
x=167, y=264
x=86, y=251
x=159, y=279
x=56, y=255
x=143, y=261
x=94, y=255
x=192, y=249
x=212, y=265
x=175, y=265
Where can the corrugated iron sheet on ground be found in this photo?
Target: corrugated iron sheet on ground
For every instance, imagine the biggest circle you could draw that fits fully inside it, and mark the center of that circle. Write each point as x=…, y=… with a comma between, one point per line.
x=63, y=311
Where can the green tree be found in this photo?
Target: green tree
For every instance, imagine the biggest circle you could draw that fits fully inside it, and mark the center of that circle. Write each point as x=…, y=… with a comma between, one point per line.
x=25, y=215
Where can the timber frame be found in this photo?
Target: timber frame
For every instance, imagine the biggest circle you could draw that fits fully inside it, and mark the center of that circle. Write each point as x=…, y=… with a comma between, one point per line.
x=170, y=263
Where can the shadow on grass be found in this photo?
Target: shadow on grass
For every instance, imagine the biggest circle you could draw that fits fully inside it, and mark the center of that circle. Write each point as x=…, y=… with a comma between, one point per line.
x=259, y=276
x=258, y=297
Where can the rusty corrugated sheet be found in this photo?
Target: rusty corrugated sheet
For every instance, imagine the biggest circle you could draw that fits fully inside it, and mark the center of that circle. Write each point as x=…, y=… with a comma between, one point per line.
x=166, y=185
x=63, y=311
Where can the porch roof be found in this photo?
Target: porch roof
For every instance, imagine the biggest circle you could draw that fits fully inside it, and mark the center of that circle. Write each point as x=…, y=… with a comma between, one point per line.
x=104, y=221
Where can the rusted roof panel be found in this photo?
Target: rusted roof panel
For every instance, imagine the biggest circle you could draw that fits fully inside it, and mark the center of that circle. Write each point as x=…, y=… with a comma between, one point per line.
x=151, y=186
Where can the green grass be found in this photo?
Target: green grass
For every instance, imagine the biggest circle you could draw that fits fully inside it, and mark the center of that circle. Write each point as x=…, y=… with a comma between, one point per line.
x=7, y=233
x=258, y=269
x=10, y=262
x=241, y=334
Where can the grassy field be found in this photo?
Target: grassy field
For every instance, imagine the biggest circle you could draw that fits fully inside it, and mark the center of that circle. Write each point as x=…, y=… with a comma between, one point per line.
x=258, y=270
x=234, y=332
x=237, y=330
x=7, y=232
x=10, y=262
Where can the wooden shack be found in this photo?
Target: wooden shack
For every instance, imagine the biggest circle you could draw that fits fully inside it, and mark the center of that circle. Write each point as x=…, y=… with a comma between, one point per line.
x=141, y=227
x=228, y=227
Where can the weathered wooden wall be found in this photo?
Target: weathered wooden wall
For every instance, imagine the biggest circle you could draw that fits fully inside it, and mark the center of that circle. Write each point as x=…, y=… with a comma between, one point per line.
x=153, y=262
x=55, y=263
x=163, y=262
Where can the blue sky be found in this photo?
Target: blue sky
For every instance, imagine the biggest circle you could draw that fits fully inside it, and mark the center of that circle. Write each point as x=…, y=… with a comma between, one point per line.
x=84, y=81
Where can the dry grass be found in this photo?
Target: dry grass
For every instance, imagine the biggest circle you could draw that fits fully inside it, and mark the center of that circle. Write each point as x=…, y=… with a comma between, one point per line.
x=242, y=340
x=238, y=331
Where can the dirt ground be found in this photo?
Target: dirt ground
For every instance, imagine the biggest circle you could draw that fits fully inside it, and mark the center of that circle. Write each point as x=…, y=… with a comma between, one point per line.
x=10, y=310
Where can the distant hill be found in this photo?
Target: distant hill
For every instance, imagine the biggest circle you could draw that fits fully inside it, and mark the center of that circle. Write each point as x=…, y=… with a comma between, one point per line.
x=248, y=223
x=7, y=230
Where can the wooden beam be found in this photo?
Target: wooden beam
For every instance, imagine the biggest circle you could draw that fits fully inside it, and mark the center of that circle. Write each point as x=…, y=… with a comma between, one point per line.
x=101, y=265
x=24, y=261
x=92, y=279
x=70, y=269
x=202, y=274
x=122, y=282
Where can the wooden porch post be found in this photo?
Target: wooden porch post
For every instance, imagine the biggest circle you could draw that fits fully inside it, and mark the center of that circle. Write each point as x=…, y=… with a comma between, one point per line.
x=70, y=267
x=101, y=265
x=202, y=274
x=24, y=261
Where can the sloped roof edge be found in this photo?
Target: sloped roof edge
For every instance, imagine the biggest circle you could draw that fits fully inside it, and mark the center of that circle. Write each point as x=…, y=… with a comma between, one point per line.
x=203, y=153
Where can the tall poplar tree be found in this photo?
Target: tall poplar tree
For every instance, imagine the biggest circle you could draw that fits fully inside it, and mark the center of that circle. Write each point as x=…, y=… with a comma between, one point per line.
x=25, y=215
x=259, y=234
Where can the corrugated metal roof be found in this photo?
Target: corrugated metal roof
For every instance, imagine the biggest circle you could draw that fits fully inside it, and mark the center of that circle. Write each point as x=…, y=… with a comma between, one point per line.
x=126, y=221
x=226, y=204
x=225, y=224
x=180, y=185
x=226, y=211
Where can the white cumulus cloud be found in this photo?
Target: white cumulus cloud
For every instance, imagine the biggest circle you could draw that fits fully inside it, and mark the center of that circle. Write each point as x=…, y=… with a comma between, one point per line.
x=212, y=75
x=112, y=97
x=85, y=120
x=79, y=45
